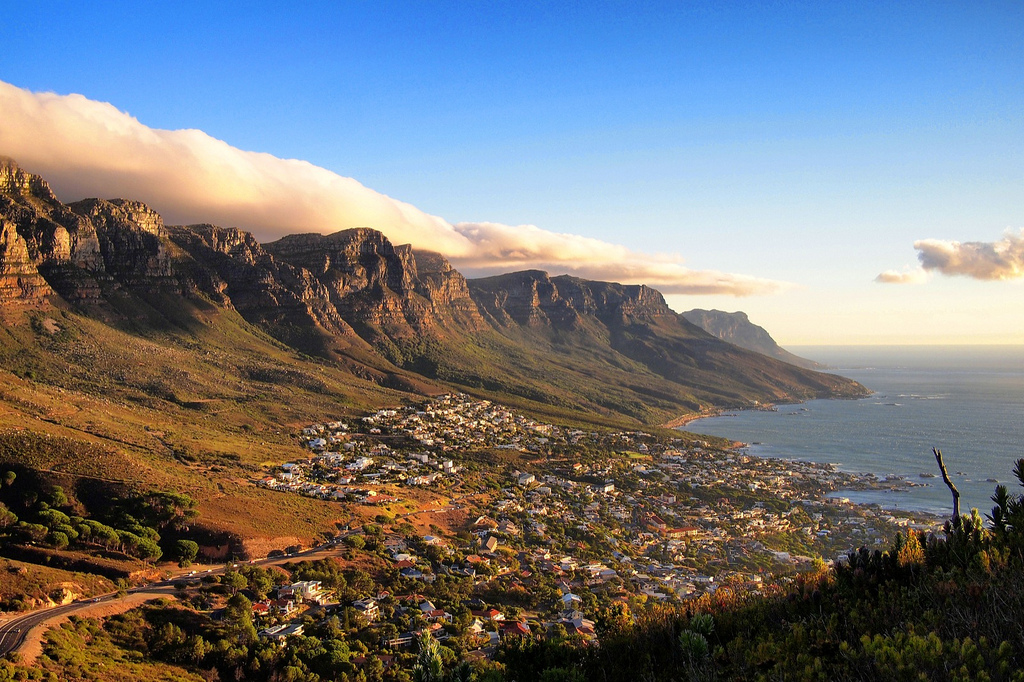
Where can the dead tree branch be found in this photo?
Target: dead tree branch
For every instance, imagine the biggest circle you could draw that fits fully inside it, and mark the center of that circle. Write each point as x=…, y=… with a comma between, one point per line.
x=949, y=484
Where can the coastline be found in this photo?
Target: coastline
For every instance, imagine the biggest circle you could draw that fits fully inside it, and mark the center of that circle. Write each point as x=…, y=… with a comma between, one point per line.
x=875, y=485
x=684, y=419
x=860, y=484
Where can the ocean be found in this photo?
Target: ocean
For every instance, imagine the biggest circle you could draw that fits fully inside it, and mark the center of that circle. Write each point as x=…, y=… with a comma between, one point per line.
x=968, y=401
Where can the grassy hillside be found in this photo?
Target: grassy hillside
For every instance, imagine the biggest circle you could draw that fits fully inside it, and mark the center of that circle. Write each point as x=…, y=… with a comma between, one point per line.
x=194, y=404
x=150, y=394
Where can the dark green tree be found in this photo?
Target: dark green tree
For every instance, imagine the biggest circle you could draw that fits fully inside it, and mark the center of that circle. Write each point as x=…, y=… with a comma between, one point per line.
x=186, y=551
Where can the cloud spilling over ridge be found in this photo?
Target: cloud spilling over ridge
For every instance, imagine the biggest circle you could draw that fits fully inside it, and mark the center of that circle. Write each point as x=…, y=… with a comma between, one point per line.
x=1000, y=260
x=86, y=148
x=504, y=248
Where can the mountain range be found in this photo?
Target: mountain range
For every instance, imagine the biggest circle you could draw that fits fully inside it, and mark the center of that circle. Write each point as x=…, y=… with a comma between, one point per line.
x=392, y=315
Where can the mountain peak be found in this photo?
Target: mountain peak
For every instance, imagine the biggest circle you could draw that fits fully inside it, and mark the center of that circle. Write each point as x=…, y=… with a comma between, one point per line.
x=736, y=328
x=16, y=181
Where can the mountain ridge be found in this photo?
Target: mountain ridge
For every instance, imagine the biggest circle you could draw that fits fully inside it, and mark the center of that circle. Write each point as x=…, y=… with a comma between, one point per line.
x=390, y=313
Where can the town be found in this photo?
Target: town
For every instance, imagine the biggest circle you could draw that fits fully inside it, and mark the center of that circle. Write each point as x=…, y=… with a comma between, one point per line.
x=471, y=522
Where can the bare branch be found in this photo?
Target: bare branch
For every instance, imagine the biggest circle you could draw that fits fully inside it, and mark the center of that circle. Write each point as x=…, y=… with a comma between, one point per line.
x=949, y=484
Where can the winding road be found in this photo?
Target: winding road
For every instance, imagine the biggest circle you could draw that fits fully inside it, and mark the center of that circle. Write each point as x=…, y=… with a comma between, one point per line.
x=14, y=632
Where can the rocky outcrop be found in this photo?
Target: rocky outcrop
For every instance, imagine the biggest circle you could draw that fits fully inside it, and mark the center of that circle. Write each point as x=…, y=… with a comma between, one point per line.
x=446, y=288
x=373, y=283
x=533, y=299
x=19, y=277
x=132, y=239
x=35, y=229
x=736, y=328
x=74, y=250
x=230, y=266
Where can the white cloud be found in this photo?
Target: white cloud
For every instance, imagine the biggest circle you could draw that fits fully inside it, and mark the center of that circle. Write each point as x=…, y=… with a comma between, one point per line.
x=1001, y=260
x=908, y=276
x=86, y=148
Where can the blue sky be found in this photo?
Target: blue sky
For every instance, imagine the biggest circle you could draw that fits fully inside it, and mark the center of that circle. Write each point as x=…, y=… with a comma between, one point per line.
x=809, y=143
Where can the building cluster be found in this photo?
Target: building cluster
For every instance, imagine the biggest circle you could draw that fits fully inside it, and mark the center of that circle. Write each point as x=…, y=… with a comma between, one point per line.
x=580, y=519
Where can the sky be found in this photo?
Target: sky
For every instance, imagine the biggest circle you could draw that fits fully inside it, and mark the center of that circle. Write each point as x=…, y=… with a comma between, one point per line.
x=845, y=173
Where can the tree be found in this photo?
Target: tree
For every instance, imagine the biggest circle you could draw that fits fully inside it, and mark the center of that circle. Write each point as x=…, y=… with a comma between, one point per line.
x=57, y=497
x=234, y=581
x=53, y=518
x=171, y=509
x=58, y=539
x=147, y=550
x=430, y=663
x=260, y=581
x=429, y=666
x=105, y=535
x=7, y=517
x=238, y=613
x=949, y=484
x=187, y=550
x=35, y=531
x=9, y=478
x=388, y=631
x=128, y=540
x=68, y=530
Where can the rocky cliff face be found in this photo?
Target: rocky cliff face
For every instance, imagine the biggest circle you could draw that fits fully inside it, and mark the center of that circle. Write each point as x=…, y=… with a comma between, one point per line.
x=73, y=250
x=533, y=299
x=374, y=283
x=231, y=267
x=35, y=230
x=132, y=239
x=446, y=288
x=528, y=299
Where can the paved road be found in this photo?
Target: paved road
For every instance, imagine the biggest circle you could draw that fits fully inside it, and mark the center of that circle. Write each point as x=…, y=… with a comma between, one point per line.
x=14, y=631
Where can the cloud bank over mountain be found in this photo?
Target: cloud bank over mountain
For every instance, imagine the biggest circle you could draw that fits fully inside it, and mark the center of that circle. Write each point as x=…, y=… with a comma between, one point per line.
x=87, y=148
x=1000, y=260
